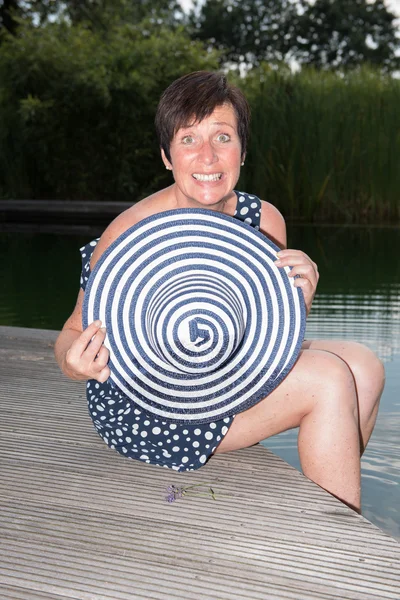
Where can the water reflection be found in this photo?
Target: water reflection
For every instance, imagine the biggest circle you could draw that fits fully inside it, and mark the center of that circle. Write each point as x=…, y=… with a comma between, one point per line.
x=358, y=299
x=39, y=278
x=381, y=470
x=359, y=290
x=373, y=319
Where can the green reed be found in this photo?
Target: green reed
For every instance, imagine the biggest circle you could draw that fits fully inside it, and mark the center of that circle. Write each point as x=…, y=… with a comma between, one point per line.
x=325, y=146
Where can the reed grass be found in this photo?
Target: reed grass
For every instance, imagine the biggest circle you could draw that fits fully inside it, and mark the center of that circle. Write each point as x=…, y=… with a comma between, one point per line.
x=77, y=123
x=325, y=146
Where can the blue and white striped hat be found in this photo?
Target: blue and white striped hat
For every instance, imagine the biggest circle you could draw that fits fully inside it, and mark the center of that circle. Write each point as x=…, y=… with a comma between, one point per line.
x=200, y=322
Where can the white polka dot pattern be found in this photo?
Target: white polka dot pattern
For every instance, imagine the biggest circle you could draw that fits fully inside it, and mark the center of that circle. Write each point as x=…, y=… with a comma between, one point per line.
x=137, y=435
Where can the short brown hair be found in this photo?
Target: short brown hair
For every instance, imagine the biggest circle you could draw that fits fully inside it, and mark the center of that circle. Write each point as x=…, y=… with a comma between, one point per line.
x=192, y=98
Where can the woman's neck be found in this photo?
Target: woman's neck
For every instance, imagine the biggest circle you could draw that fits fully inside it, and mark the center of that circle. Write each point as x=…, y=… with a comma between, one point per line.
x=177, y=199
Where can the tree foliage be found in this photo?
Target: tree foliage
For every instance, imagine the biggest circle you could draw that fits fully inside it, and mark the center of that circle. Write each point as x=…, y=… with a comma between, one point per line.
x=333, y=34
x=326, y=33
x=245, y=30
x=101, y=13
x=77, y=110
x=325, y=145
x=98, y=14
x=347, y=33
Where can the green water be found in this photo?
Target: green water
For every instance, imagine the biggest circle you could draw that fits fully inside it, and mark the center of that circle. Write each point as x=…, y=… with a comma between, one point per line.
x=358, y=298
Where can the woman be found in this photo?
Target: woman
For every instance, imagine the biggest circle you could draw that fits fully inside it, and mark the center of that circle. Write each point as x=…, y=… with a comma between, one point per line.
x=332, y=393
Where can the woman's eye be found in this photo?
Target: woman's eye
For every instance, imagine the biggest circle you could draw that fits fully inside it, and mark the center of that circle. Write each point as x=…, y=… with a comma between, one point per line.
x=188, y=139
x=223, y=137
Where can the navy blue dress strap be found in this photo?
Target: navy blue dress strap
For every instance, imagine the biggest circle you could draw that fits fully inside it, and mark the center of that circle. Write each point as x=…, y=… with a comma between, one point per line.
x=248, y=209
x=86, y=254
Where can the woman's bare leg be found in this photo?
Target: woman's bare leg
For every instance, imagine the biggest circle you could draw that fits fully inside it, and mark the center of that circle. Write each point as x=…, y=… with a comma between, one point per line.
x=319, y=396
x=369, y=377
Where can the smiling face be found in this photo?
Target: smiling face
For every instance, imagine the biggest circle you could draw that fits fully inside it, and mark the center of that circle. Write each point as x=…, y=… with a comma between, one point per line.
x=205, y=160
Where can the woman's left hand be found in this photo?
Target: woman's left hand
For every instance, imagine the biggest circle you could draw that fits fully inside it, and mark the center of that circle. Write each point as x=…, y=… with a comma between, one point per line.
x=301, y=265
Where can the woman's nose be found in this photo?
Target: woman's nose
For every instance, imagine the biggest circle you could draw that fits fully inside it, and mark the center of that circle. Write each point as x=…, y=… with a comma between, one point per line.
x=208, y=153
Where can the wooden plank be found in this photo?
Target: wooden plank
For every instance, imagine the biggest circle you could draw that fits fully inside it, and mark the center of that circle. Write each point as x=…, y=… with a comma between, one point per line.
x=79, y=521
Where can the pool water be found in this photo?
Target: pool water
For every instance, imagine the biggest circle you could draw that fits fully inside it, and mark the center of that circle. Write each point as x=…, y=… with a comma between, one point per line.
x=358, y=299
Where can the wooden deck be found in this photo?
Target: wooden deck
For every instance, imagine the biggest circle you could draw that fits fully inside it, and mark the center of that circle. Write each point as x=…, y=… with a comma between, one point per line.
x=58, y=215
x=78, y=521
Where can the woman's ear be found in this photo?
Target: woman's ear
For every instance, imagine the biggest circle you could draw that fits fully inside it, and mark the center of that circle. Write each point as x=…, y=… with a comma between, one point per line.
x=165, y=160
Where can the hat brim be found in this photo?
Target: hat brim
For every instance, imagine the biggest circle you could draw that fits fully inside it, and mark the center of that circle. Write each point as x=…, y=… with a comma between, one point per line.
x=195, y=266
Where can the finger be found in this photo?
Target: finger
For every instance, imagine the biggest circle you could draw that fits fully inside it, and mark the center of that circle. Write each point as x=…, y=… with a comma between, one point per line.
x=305, y=271
x=102, y=357
x=294, y=255
x=304, y=284
x=314, y=265
x=291, y=260
x=103, y=375
x=83, y=340
x=95, y=345
x=306, y=290
x=291, y=252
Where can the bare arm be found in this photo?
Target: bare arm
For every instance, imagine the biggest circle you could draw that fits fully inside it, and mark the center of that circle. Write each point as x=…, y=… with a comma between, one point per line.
x=273, y=225
x=81, y=354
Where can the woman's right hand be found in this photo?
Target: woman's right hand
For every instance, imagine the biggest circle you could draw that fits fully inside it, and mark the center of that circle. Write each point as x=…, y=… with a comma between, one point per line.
x=87, y=357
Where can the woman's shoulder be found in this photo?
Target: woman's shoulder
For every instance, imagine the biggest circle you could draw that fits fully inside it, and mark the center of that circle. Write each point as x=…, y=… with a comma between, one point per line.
x=269, y=211
x=273, y=224
x=130, y=217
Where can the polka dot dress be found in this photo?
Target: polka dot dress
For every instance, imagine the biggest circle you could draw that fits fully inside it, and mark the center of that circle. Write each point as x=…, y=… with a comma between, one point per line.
x=133, y=433
x=248, y=209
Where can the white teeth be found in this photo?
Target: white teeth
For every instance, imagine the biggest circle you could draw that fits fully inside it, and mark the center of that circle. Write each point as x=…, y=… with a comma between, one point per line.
x=213, y=177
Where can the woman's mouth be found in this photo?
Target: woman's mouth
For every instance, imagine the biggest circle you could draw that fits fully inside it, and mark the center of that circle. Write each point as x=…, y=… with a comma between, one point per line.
x=208, y=177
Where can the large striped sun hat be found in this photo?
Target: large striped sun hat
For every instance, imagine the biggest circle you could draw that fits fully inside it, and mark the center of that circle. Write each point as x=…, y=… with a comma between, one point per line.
x=200, y=322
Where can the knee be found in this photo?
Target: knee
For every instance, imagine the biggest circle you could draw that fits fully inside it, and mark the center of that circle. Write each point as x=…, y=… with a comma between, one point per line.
x=366, y=367
x=333, y=371
x=334, y=382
